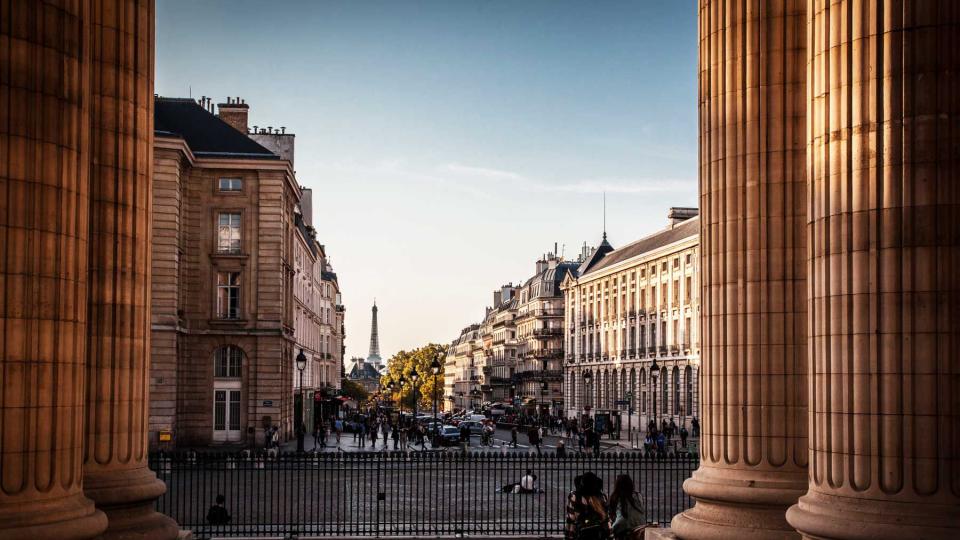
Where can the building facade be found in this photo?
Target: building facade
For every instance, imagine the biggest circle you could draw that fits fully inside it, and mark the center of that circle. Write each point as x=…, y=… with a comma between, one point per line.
x=225, y=309
x=632, y=331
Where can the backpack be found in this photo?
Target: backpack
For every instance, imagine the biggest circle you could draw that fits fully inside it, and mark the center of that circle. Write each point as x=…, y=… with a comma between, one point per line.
x=590, y=525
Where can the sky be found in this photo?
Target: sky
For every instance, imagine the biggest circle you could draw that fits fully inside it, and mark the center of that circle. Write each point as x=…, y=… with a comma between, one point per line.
x=450, y=144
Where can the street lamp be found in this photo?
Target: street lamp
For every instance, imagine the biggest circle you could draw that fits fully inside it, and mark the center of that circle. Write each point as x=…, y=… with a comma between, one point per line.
x=415, y=377
x=435, y=370
x=402, y=382
x=543, y=399
x=301, y=365
x=654, y=372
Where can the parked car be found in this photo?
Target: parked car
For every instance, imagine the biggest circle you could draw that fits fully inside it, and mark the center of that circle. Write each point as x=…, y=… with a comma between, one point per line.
x=449, y=435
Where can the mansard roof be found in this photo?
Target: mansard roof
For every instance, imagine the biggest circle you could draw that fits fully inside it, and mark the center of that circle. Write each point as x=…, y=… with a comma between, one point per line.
x=205, y=133
x=688, y=228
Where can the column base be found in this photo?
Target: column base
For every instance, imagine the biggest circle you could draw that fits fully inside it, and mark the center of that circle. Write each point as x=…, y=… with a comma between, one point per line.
x=127, y=497
x=820, y=516
x=69, y=518
x=739, y=504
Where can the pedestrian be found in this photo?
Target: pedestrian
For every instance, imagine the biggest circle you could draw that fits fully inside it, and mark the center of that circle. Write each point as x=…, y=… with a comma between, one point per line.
x=581, y=440
x=596, y=444
x=695, y=424
x=362, y=434
x=587, y=510
x=275, y=437
x=626, y=509
x=661, y=444
x=218, y=514
x=373, y=436
x=396, y=437
x=561, y=449
x=316, y=435
x=528, y=483
x=465, y=435
x=323, y=434
x=513, y=436
x=683, y=436
x=404, y=438
x=534, y=437
x=338, y=429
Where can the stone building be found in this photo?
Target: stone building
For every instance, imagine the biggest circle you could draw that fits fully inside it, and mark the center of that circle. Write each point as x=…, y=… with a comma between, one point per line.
x=317, y=322
x=462, y=382
x=627, y=308
x=224, y=314
x=538, y=371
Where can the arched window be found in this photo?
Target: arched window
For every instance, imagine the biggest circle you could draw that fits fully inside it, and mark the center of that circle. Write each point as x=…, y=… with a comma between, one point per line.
x=633, y=387
x=688, y=382
x=676, y=390
x=228, y=362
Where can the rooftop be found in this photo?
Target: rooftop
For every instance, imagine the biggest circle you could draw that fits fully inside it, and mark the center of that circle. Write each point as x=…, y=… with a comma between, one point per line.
x=205, y=133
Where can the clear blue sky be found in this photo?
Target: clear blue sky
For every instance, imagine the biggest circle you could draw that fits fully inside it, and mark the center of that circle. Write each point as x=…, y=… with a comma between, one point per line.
x=450, y=144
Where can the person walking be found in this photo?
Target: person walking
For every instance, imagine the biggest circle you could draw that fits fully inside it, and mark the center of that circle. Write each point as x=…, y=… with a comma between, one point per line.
x=695, y=424
x=581, y=441
x=513, y=436
x=373, y=436
x=385, y=431
x=626, y=509
x=338, y=429
x=534, y=437
x=316, y=435
x=561, y=449
x=587, y=517
x=396, y=437
x=362, y=434
x=683, y=436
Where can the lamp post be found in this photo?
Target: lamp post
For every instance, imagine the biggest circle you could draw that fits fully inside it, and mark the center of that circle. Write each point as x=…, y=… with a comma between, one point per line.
x=630, y=418
x=402, y=382
x=301, y=365
x=587, y=379
x=543, y=399
x=654, y=373
x=435, y=370
x=415, y=377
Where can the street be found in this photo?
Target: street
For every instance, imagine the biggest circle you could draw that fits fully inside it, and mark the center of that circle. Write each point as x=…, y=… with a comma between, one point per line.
x=409, y=492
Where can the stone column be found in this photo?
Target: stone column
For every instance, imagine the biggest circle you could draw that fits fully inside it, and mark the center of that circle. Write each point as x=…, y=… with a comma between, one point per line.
x=43, y=271
x=115, y=469
x=752, y=193
x=884, y=220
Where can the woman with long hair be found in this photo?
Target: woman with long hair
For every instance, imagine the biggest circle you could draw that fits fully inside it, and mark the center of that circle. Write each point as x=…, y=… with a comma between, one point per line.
x=626, y=509
x=587, y=517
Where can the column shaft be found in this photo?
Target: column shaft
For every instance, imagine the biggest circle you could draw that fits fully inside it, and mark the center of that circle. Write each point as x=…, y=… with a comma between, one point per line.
x=753, y=277
x=884, y=219
x=43, y=271
x=115, y=469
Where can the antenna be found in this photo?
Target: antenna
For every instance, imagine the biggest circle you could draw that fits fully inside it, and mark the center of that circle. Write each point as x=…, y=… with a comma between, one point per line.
x=604, y=215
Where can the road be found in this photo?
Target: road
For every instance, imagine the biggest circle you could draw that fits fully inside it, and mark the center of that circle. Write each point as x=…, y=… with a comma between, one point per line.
x=407, y=493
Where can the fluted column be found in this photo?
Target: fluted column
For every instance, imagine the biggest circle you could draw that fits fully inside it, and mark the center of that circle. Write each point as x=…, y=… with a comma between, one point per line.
x=43, y=271
x=752, y=178
x=115, y=469
x=884, y=205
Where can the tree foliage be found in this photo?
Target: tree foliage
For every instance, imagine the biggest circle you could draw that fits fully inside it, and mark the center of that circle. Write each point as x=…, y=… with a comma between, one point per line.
x=353, y=390
x=428, y=387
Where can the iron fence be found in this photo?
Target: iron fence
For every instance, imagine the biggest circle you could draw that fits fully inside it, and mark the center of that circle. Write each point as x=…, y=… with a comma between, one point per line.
x=400, y=493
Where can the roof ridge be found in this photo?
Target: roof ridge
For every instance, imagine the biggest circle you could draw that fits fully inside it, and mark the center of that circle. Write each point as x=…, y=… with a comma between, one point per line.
x=658, y=232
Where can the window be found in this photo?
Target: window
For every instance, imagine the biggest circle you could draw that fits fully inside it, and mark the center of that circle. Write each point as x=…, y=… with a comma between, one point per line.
x=689, y=258
x=676, y=262
x=663, y=266
x=228, y=232
x=228, y=295
x=230, y=184
x=653, y=270
x=689, y=395
x=228, y=361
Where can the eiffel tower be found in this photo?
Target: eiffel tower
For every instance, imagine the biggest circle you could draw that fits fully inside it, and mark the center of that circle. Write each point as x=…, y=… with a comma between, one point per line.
x=374, y=356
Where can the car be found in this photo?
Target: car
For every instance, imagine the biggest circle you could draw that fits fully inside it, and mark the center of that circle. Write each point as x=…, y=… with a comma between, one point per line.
x=449, y=435
x=476, y=428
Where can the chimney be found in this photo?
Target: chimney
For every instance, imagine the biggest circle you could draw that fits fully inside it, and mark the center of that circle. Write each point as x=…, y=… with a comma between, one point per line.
x=306, y=206
x=541, y=265
x=679, y=214
x=506, y=292
x=234, y=112
x=497, y=298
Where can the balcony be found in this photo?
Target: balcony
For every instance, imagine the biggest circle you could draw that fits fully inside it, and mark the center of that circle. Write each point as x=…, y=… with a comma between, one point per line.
x=541, y=332
x=537, y=374
x=546, y=353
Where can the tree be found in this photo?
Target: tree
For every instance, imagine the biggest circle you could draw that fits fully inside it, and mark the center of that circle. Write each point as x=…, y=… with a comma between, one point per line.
x=353, y=390
x=404, y=363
